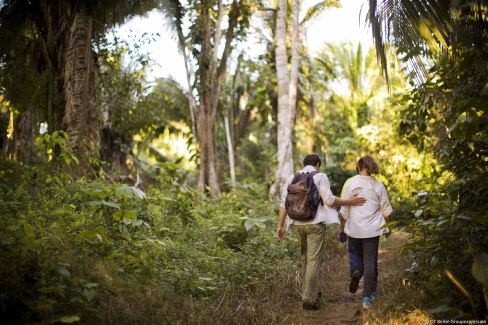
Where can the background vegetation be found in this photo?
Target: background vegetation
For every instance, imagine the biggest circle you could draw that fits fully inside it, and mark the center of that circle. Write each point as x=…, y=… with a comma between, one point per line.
x=111, y=211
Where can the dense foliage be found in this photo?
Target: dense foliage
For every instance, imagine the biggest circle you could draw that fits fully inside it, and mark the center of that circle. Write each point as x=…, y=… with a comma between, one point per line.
x=114, y=219
x=67, y=245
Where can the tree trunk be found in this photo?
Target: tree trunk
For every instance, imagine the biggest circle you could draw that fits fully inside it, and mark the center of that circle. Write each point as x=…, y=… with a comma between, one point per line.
x=295, y=54
x=81, y=119
x=54, y=28
x=285, y=127
x=24, y=137
x=8, y=137
x=211, y=72
x=205, y=127
x=230, y=150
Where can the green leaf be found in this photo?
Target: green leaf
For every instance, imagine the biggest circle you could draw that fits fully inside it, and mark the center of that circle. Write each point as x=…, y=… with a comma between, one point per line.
x=64, y=272
x=91, y=233
x=249, y=224
x=89, y=294
x=124, y=191
x=98, y=192
x=129, y=214
x=480, y=269
x=95, y=203
x=117, y=215
x=28, y=231
x=68, y=319
x=124, y=232
x=111, y=204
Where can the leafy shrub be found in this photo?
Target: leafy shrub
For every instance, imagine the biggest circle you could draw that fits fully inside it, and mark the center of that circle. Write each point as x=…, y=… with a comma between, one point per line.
x=69, y=246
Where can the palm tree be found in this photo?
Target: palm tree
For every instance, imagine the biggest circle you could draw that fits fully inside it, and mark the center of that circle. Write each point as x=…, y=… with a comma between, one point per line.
x=63, y=31
x=444, y=45
x=419, y=30
x=357, y=71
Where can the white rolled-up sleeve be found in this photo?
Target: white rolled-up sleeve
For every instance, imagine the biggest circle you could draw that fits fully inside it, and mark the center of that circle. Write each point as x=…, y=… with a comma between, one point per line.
x=346, y=193
x=324, y=189
x=386, y=208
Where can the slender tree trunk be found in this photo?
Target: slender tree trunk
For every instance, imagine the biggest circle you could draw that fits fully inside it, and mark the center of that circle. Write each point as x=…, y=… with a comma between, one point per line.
x=7, y=139
x=191, y=100
x=81, y=119
x=295, y=54
x=230, y=150
x=285, y=121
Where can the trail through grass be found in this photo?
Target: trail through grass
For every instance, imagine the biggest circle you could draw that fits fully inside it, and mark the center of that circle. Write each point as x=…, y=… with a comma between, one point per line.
x=277, y=301
x=339, y=306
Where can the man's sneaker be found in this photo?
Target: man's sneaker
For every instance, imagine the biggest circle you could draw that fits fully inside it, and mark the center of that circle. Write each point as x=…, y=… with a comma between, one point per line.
x=309, y=306
x=373, y=296
x=366, y=303
x=354, y=284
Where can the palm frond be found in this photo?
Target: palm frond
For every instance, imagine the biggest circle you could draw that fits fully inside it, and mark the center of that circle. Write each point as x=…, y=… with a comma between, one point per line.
x=318, y=9
x=422, y=31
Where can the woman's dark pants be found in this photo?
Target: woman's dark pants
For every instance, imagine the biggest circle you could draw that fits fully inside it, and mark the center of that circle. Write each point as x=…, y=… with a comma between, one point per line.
x=367, y=250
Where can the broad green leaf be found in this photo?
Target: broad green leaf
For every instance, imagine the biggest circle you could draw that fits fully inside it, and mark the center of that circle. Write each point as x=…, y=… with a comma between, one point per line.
x=249, y=224
x=89, y=294
x=95, y=203
x=124, y=214
x=124, y=191
x=138, y=193
x=28, y=231
x=64, y=272
x=480, y=269
x=129, y=214
x=68, y=319
x=100, y=193
x=91, y=233
x=111, y=204
x=124, y=232
x=91, y=285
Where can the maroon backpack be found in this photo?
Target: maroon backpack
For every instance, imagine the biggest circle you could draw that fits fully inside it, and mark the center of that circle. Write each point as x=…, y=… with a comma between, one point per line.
x=303, y=197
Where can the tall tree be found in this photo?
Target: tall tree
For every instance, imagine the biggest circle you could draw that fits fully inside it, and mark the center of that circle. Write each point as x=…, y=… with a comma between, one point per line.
x=287, y=91
x=62, y=31
x=211, y=45
x=288, y=82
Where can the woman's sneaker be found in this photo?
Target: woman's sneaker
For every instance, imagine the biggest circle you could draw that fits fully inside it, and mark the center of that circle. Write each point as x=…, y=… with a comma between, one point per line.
x=354, y=284
x=374, y=296
x=366, y=303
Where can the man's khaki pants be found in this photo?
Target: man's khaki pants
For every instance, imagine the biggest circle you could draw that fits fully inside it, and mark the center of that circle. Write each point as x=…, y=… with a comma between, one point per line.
x=312, y=247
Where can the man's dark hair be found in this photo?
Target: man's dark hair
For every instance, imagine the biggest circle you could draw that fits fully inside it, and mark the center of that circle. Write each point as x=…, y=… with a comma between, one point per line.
x=312, y=160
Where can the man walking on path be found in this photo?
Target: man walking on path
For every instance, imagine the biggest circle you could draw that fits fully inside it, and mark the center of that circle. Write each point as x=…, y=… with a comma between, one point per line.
x=312, y=232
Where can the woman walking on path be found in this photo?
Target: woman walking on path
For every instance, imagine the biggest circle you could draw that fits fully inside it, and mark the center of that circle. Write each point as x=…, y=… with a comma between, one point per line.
x=363, y=224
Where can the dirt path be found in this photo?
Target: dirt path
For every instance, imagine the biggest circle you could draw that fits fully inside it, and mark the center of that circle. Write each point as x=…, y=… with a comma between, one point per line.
x=338, y=305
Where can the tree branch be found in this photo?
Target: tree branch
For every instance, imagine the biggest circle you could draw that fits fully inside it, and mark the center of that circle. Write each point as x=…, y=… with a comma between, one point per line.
x=233, y=15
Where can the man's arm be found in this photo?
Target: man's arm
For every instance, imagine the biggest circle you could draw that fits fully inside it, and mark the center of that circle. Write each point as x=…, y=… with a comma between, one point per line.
x=353, y=200
x=282, y=212
x=332, y=200
x=281, y=223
